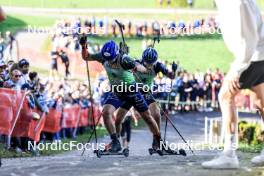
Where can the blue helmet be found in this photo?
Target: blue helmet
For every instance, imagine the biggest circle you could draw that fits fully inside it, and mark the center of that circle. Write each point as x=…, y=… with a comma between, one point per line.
x=150, y=55
x=110, y=50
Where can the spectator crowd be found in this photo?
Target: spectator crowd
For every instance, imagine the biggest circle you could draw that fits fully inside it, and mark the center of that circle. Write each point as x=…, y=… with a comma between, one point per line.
x=43, y=95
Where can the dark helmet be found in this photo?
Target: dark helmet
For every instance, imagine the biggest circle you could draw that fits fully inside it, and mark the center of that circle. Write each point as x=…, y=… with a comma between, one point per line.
x=150, y=55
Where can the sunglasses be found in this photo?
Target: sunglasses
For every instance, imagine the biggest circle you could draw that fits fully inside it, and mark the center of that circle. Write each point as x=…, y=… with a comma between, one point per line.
x=17, y=76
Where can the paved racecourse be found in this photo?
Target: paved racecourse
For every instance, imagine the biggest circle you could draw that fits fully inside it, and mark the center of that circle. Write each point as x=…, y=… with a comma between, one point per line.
x=139, y=163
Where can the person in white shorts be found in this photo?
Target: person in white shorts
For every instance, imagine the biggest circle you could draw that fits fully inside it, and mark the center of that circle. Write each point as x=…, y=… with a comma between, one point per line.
x=243, y=32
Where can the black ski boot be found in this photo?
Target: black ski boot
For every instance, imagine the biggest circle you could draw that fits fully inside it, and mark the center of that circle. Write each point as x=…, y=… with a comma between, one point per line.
x=115, y=144
x=156, y=144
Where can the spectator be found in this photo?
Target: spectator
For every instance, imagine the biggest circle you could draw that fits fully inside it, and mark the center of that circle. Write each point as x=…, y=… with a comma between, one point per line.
x=11, y=44
x=15, y=77
x=101, y=26
x=190, y=3
x=155, y=28
x=2, y=48
x=93, y=25
x=54, y=66
x=168, y=3
x=3, y=73
x=88, y=26
x=216, y=85
x=194, y=91
x=65, y=60
x=23, y=65
x=182, y=26
x=10, y=63
x=114, y=28
x=160, y=2
x=184, y=91
x=129, y=28
x=208, y=92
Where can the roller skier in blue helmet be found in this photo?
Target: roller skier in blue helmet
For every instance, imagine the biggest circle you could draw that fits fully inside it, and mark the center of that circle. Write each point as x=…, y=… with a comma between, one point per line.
x=150, y=61
x=120, y=67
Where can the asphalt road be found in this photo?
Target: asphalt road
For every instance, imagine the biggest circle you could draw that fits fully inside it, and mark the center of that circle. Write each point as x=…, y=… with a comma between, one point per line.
x=139, y=163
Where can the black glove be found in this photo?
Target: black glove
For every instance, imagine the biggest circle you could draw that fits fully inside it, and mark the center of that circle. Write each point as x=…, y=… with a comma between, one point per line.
x=123, y=48
x=174, y=67
x=83, y=40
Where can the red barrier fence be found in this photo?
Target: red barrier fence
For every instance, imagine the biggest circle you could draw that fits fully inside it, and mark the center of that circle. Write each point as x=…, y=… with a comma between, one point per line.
x=16, y=117
x=53, y=121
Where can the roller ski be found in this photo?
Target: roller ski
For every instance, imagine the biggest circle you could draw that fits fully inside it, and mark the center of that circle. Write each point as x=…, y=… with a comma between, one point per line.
x=156, y=147
x=100, y=153
x=167, y=152
x=114, y=148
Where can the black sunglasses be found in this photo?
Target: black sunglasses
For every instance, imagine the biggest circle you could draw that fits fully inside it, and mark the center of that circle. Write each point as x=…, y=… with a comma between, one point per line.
x=17, y=76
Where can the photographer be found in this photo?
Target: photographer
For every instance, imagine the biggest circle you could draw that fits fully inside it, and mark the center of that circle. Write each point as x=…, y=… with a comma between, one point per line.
x=65, y=59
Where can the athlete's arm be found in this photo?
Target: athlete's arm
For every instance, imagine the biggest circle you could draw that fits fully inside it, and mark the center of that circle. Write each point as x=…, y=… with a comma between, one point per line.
x=140, y=68
x=2, y=15
x=86, y=55
x=129, y=64
x=159, y=67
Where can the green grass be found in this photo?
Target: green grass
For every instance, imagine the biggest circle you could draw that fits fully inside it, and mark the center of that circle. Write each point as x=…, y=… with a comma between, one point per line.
x=192, y=52
x=12, y=24
x=17, y=22
x=207, y=4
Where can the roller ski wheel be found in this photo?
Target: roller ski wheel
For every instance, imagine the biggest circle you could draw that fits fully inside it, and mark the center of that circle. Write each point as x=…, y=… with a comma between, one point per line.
x=98, y=153
x=182, y=152
x=126, y=152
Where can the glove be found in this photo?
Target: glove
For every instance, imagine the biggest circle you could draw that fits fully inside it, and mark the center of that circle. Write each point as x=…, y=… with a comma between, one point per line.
x=174, y=67
x=123, y=48
x=83, y=40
